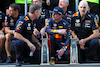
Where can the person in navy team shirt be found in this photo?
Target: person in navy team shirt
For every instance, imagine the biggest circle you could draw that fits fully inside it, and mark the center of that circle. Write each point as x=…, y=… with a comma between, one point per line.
x=67, y=13
x=84, y=27
x=24, y=33
x=10, y=22
x=58, y=29
x=44, y=16
x=50, y=4
x=2, y=36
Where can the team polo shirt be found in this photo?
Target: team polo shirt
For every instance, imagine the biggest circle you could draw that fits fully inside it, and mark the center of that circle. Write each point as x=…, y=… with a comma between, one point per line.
x=83, y=28
x=11, y=21
x=68, y=15
x=52, y=26
x=25, y=27
x=2, y=16
x=44, y=15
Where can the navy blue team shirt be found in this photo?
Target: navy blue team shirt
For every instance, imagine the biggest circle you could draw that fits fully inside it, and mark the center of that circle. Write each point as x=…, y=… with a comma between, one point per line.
x=83, y=28
x=2, y=16
x=11, y=22
x=25, y=27
x=52, y=26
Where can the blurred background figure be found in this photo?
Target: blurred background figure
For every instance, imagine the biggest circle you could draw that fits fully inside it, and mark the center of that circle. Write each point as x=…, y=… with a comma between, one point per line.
x=2, y=37
x=94, y=6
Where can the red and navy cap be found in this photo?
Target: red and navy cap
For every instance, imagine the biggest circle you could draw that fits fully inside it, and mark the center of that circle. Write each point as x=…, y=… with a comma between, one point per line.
x=58, y=10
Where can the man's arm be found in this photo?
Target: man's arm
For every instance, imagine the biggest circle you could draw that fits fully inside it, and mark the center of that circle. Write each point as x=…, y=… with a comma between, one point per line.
x=83, y=41
x=75, y=36
x=3, y=29
x=3, y=25
x=64, y=48
x=42, y=31
x=19, y=36
x=7, y=30
x=55, y=31
x=36, y=41
x=94, y=35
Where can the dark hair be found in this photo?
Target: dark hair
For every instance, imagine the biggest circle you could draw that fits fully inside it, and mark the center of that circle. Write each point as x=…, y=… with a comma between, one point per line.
x=15, y=6
x=34, y=7
x=39, y=0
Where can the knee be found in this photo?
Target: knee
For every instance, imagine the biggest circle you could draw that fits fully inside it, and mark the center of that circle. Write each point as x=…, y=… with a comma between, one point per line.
x=2, y=37
x=18, y=43
x=8, y=36
x=18, y=46
x=94, y=42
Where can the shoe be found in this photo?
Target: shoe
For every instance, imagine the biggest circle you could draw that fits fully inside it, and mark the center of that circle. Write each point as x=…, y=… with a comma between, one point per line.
x=89, y=60
x=1, y=60
x=52, y=60
x=9, y=60
x=96, y=58
x=18, y=63
x=59, y=60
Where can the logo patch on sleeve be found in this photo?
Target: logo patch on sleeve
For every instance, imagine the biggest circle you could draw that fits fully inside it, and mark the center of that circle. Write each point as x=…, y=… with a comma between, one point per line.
x=26, y=18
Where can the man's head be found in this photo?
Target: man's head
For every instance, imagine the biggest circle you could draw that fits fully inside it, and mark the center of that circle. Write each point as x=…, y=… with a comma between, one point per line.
x=13, y=9
x=63, y=3
x=83, y=7
x=37, y=2
x=57, y=13
x=35, y=9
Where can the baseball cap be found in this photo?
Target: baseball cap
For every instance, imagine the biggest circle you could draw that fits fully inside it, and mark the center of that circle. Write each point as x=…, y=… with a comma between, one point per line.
x=58, y=10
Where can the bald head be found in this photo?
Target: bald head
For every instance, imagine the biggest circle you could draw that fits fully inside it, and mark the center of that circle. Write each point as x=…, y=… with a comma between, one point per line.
x=83, y=1
x=83, y=7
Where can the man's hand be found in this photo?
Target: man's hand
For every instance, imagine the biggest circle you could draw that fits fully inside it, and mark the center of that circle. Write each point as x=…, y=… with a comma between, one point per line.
x=61, y=52
x=1, y=32
x=82, y=47
x=35, y=32
x=82, y=42
x=31, y=46
x=13, y=31
x=62, y=31
x=42, y=31
x=39, y=45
